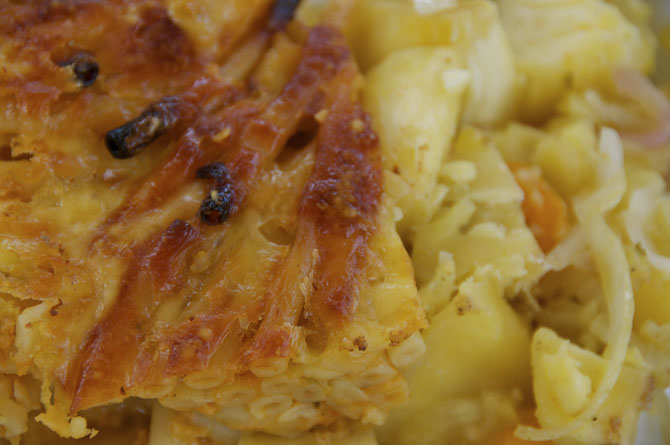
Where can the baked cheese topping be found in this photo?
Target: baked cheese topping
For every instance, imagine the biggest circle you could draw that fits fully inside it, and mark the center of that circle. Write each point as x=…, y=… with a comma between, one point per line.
x=203, y=224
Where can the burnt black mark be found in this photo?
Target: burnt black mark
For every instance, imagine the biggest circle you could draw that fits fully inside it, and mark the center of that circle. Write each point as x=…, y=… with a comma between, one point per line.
x=84, y=66
x=218, y=206
x=132, y=137
x=306, y=132
x=304, y=136
x=6, y=155
x=282, y=13
x=216, y=171
x=361, y=343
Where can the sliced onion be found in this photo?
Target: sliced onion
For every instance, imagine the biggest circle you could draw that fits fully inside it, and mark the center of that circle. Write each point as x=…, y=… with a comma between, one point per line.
x=637, y=87
x=611, y=179
x=610, y=259
x=642, y=202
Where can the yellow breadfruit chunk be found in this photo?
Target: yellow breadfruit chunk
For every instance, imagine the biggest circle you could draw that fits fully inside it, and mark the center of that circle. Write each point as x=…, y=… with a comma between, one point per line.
x=476, y=343
x=560, y=44
x=564, y=376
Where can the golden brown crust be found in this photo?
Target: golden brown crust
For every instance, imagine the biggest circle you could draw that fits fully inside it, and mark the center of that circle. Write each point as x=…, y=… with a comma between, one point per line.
x=142, y=292
x=337, y=214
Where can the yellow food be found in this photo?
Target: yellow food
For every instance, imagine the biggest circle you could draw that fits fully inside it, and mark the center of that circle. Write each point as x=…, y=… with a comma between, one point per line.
x=333, y=222
x=546, y=212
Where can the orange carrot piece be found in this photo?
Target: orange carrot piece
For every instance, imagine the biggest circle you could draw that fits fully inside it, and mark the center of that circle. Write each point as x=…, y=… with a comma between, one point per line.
x=545, y=210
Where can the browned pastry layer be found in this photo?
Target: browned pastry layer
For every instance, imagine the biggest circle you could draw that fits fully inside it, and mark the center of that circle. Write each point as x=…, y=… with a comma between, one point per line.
x=196, y=219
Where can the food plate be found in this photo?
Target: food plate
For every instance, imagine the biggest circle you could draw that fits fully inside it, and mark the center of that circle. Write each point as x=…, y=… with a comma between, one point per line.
x=373, y=221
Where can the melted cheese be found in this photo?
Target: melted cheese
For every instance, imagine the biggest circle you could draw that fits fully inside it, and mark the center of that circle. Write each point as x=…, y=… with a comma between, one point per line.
x=111, y=283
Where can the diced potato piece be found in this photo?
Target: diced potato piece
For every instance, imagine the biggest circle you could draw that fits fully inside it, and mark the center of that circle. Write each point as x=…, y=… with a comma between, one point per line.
x=517, y=142
x=410, y=211
x=433, y=236
x=494, y=183
x=647, y=223
x=459, y=171
x=485, y=225
x=381, y=27
x=564, y=376
x=473, y=30
x=436, y=294
x=475, y=322
x=560, y=44
x=652, y=300
x=568, y=157
x=415, y=103
x=569, y=387
x=513, y=253
x=476, y=343
x=654, y=343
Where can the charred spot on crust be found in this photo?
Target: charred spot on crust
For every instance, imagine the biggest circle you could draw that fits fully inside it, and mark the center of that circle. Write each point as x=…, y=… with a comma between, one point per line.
x=282, y=13
x=361, y=343
x=308, y=127
x=6, y=155
x=132, y=137
x=216, y=171
x=84, y=66
x=218, y=206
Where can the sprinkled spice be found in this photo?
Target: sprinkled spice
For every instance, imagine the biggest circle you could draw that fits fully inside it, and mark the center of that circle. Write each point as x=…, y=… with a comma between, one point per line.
x=84, y=66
